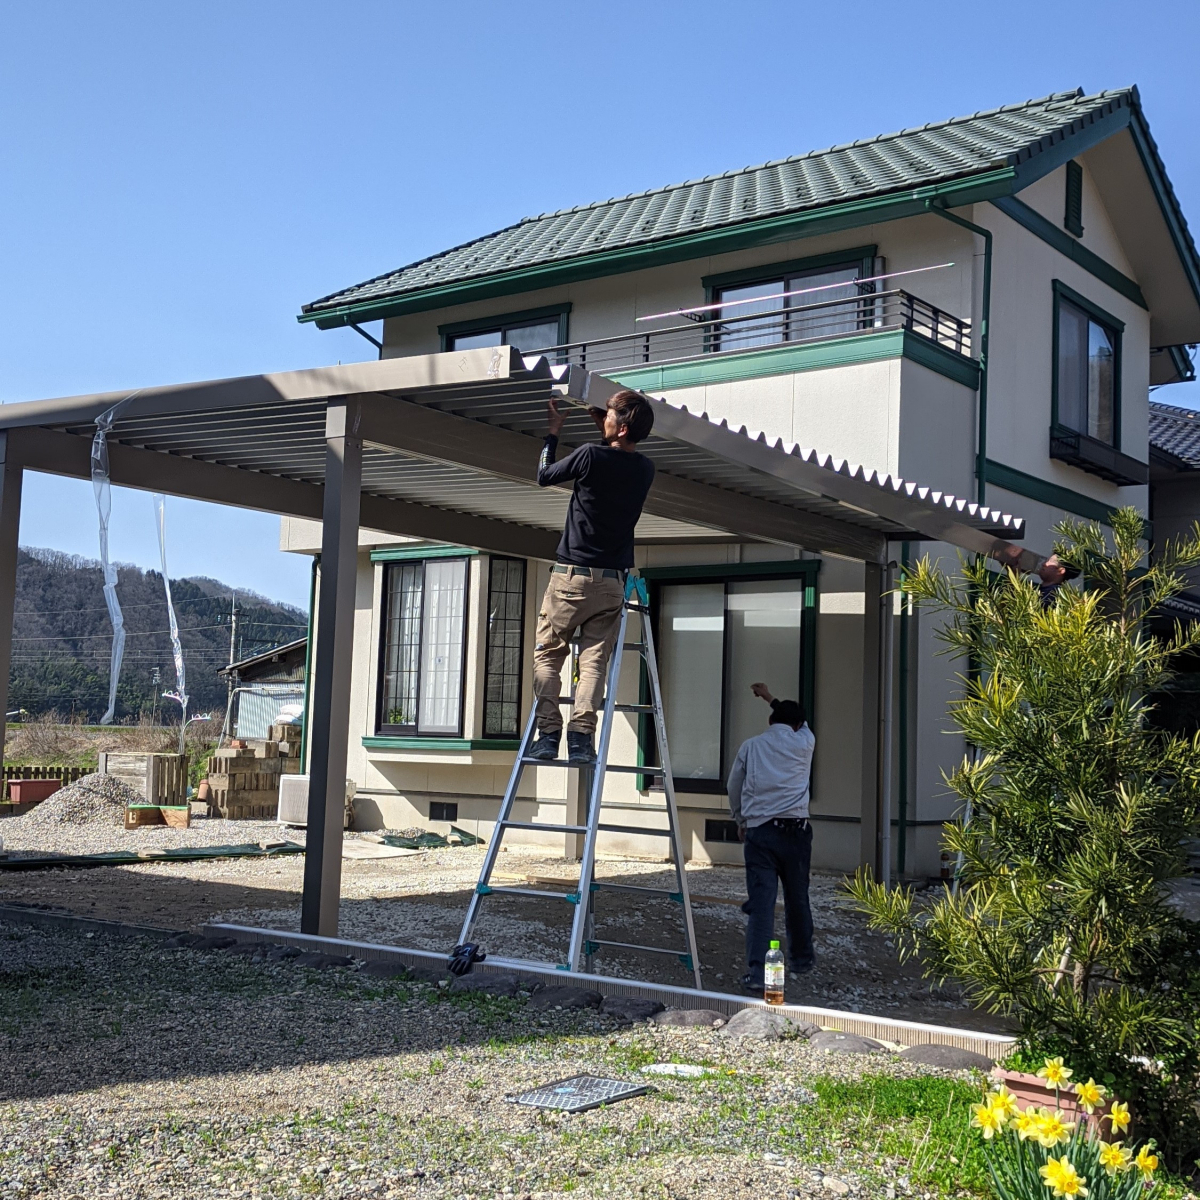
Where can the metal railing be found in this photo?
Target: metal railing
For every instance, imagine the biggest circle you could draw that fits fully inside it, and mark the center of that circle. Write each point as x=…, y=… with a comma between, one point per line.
x=826, y=320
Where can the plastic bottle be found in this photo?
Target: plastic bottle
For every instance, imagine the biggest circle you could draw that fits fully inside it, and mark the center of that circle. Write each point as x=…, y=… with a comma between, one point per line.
x=773, y=975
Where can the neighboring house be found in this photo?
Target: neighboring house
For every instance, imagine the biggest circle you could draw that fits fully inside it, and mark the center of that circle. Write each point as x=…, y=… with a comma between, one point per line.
x=979, y=306
x=267, y=688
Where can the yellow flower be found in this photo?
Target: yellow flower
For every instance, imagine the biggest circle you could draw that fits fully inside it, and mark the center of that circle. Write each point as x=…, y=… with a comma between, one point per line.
x=987, y=1119
x=1115, y=1158
x=1002, y=1100
x=1027, y=1123
x=1060, y=1175
x=1119, y=1116
x=1052, y=1129
x=1146, y=1161
x=1091, y=1096
x=1054, y=1073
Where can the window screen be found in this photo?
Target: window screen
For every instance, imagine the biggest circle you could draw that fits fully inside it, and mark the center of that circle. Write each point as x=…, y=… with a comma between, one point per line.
x=506, y=622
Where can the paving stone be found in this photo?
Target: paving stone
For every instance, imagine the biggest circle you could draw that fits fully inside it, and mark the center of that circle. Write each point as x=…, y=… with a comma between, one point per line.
x=952, y=1058
x=845, y=1043
x=385, y=968
x=630, y=1008
x=764, y=1023
x=499, y=984
x=322, y=962
x=687, y=1018
x=557, y=996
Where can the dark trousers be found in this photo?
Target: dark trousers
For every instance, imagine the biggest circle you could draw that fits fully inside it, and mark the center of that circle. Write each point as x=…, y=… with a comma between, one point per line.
x=775, y=854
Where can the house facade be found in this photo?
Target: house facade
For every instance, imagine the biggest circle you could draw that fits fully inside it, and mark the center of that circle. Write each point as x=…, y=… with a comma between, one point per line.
x=979, y=306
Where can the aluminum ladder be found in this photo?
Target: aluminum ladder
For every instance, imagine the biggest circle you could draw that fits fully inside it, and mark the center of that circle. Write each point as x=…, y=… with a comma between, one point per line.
x=584, y=943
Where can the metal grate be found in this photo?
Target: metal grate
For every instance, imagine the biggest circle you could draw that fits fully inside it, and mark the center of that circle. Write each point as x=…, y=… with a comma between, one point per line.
x=579, y=1093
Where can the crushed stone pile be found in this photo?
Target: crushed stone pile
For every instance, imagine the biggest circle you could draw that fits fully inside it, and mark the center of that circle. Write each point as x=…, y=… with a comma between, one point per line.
x=100, y=798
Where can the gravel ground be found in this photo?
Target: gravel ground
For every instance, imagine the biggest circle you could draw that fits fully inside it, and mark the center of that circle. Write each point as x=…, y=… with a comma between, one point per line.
x=135, y=1070
x=99, y=799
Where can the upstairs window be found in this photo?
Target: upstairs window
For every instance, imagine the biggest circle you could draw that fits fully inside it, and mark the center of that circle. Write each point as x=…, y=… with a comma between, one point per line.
x=424, y=636
x=1087, y=368
x=528, y=331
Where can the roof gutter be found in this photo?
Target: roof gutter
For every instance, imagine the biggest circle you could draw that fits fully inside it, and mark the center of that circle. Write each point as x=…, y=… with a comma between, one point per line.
x=1001, y=180
x=985, y=319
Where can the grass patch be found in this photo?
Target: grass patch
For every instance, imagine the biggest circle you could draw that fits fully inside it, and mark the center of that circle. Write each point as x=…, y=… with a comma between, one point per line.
x=923, y=1122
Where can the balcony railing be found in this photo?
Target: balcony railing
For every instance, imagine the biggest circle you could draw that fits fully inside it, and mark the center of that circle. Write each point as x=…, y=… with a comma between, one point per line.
x=820, y=322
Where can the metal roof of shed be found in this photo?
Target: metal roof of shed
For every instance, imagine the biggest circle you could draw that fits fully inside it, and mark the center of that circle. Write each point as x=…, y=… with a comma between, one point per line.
x=451, y=446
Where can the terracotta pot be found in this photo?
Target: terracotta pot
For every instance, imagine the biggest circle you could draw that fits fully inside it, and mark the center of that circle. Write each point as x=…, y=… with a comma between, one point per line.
x=1030, y=1089
x=204, y=791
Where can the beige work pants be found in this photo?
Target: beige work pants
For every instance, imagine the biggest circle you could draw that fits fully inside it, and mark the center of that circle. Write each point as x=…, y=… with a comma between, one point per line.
x=583, y=600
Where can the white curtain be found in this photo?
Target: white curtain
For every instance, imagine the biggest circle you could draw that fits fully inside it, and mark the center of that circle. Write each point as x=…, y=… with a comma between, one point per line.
x=440, y=709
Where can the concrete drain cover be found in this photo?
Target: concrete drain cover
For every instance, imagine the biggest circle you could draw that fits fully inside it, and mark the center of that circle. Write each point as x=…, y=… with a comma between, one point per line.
x=579, y=1093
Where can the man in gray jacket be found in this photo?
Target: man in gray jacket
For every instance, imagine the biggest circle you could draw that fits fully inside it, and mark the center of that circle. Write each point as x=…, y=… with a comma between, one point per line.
x=768, y=798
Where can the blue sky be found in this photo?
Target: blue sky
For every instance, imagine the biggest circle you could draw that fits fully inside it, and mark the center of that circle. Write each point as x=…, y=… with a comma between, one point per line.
x=179, y=179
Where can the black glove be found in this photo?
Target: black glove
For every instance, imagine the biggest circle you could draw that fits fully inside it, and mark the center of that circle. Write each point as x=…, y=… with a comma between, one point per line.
x=464, y=957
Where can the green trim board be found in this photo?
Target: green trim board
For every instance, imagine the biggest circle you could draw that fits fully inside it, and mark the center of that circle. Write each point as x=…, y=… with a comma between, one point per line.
x=406, y=555
x=1066, y=245
x=786, y=227
x=1102, y=317
x=1045, y=492
x=382, y=742
x=510, y=320
x=855, y=254
x=788, y=359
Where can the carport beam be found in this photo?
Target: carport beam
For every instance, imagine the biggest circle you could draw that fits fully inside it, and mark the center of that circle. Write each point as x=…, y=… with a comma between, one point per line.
x=10, y=525
x=330, y=733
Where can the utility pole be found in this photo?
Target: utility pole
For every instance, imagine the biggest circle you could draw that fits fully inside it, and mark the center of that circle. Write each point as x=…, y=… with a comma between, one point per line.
x=156, y=679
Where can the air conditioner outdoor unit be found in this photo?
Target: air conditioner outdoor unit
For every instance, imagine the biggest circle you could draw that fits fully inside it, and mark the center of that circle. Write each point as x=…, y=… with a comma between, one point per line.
x=293, y=800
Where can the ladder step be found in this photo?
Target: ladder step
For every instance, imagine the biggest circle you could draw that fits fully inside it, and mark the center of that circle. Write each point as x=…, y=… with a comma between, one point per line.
x=488, y=889
x=635, y=646
x=646, y=949
x=562, y=762
x=598, y=886
x=542, y=825
x=634, y=770
x=638, y=608
x=634, y=829
x=637, y=708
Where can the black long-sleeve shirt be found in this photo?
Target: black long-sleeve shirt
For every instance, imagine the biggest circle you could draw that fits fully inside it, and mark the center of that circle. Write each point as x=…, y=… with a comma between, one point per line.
x=610, y=489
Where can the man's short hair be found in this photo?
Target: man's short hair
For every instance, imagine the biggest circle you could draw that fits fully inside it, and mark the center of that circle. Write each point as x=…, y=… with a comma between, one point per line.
x=633, y=411
x=787, y=712
x=1070, y=573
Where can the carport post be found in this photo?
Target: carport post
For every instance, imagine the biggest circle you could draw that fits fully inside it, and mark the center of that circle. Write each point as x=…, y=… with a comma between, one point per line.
x=330, y=733
x=10, y=525
x=869, y=846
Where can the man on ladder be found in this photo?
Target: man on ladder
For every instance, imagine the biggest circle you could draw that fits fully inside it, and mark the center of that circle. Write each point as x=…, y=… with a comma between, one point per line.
x=587, y=583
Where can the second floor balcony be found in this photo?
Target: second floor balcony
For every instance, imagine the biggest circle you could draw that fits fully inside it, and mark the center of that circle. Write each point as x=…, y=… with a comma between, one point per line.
x=688, y=338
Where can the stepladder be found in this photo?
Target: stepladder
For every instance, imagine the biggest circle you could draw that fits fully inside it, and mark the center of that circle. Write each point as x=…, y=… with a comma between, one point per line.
x=587, y=917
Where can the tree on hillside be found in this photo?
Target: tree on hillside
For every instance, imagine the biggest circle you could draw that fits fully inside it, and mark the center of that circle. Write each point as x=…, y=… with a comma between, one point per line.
x=1077, y=808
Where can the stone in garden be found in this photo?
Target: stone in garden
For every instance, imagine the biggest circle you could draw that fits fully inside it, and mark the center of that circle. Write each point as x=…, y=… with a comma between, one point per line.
x=428, y=974
x=280, y=953
x=322, y=962
x=834, y=1042
x=385, y=968
x=180, y=940
x=556, y=996
x=839, y=1186
x=952, y=1058
x=763, y=1023
x=630, y=1008
x=213, y=943
x=688, y=1018
x=248, y=949
x=498, y=984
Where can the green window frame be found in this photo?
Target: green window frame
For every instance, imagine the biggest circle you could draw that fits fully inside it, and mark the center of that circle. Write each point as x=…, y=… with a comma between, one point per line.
x=504, y=647
x=505, y=322
x=1115, y=328
x=803, y=570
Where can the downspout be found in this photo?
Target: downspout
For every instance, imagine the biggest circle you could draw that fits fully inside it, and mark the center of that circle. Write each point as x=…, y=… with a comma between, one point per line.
x=984, y=323
x=308, y=654
x=902, y=798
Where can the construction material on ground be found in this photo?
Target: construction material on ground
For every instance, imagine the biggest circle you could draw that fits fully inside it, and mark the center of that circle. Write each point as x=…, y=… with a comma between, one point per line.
x=421, y=839
x=178, y=816
x=292, y=801
x=584, y=944
x=119, y=858
x=97, y=797
x=156, y=778
x=579, y=1093
x=245, y=779
x=365, y=848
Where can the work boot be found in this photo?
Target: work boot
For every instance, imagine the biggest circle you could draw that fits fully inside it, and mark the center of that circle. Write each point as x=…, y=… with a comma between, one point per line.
x=580, y=750
x=545, y=749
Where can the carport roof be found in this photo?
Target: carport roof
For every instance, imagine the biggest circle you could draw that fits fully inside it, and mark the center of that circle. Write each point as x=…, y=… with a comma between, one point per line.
x=451, y=443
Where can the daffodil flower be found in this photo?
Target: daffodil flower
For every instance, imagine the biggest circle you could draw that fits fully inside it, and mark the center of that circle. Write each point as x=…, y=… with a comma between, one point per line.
x=1115, y=1158
x=1090, y=1095
x=1060, y=1176
x=1054, y=1073
x=1146, y=1161
x=1002, y=1100
x=1119, y=1116
x=987, y=1119
x=1026, y=1123
x=1053, y=1130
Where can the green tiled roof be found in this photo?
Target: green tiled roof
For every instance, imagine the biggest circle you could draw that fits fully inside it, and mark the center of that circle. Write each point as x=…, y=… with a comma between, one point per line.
x=987, y=146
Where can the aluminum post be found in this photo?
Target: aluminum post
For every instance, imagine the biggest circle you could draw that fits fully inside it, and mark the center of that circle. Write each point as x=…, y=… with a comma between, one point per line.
x=10, y=525
x=887, y=624
x=871, y=664
x=330, y=732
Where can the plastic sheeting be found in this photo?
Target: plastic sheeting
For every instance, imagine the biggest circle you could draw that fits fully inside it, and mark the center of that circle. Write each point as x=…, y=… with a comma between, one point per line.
x=160, y=521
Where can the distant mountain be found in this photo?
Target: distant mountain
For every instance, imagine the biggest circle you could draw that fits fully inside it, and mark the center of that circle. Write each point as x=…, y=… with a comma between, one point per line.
x=62, y=637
